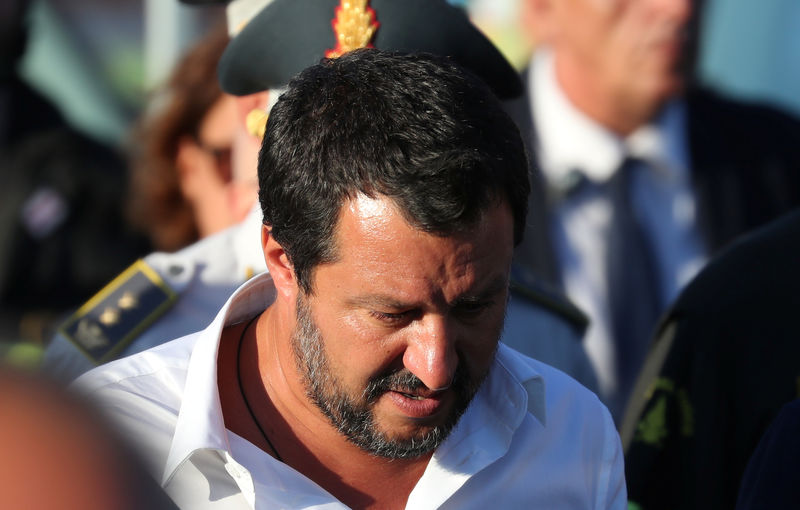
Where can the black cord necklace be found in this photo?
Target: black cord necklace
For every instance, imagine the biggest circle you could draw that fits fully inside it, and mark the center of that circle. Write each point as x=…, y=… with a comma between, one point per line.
x=244, y=396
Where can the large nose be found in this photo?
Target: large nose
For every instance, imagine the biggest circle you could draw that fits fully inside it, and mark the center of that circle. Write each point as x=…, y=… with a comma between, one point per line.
x=431, y=352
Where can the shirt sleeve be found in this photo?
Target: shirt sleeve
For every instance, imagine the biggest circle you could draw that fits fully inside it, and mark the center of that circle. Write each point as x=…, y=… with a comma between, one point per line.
x=614, y=492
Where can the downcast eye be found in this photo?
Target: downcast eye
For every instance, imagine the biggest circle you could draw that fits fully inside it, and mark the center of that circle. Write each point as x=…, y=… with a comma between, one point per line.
x=471, y=308
x=389, y=316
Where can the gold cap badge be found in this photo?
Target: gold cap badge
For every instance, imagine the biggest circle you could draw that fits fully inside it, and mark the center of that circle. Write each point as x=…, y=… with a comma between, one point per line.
x=354, y=26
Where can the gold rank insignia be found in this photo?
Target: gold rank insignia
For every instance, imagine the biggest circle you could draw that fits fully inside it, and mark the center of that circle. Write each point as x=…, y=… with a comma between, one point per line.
x=116, y=315
x=354, y=26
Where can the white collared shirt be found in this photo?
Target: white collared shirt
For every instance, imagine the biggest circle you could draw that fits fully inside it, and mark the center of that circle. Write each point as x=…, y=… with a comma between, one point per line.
x=532, y=438
x=570, y=142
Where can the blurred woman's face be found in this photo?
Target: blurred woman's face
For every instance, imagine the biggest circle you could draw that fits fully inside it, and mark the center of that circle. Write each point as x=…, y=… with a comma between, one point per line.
x=205, y=171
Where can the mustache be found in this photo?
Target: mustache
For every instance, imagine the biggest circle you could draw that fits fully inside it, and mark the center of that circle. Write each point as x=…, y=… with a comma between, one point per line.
x=404, y=381
x=401, y=380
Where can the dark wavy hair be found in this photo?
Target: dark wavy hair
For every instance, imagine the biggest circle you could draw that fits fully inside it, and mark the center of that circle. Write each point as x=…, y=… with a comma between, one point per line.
x=416, y=128
x=157, y=205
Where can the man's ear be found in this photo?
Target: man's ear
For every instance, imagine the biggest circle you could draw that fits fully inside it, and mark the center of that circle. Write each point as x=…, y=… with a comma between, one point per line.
x=278, y=265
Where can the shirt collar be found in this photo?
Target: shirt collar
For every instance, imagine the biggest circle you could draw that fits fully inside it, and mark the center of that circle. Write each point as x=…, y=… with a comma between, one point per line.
x=573, y=141
x=483, y=435
x=485, y=431
x=200, y=423
x=528, y=379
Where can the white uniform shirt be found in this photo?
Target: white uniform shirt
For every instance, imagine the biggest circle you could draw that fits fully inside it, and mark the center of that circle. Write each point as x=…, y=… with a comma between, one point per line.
x=569, y=142
x=532, y=438
x=203, y=275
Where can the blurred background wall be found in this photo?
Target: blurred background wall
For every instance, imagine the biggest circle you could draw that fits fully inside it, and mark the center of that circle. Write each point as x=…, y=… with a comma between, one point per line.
x=97, y=59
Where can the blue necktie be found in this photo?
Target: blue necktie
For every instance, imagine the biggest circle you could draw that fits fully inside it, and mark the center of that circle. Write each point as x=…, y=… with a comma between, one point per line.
x=632, y=278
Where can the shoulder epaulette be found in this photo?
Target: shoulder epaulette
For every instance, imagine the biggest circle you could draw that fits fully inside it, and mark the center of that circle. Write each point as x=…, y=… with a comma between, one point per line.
x=116, y=315
x=522, y=284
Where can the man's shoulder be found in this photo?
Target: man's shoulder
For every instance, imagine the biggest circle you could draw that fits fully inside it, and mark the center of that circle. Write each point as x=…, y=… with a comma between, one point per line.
x=744, y=158
x=212, y=258
x=528, y=288
x=762, y=262
x=157, y=299
x=161, y=368
x=142, y=395
x=766, y=128
x=705, y=100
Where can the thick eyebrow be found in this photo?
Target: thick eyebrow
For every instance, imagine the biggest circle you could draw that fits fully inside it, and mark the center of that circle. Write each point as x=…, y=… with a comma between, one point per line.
x=495, y=286
x=378, y=301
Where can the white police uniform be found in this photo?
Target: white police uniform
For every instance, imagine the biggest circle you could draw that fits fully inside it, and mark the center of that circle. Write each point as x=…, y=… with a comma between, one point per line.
x=159, y=298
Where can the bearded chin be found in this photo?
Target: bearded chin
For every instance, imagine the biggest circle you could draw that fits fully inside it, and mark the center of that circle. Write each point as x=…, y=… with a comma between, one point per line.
x=353, y=416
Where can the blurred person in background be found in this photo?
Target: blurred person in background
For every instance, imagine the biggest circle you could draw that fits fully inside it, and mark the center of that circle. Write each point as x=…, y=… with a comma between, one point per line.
x=773, y=473
x=62, y=228
x=724, y=362
x=181, y=170
x=166, y=295
x=183, y=291
x=59, y=452
x=641, y=175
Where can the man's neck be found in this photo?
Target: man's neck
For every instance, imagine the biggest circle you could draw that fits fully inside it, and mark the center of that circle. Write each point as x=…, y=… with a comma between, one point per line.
x=302, y=437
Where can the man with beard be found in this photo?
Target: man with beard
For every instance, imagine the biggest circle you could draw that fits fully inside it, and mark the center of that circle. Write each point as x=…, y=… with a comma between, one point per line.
x=364, y=368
